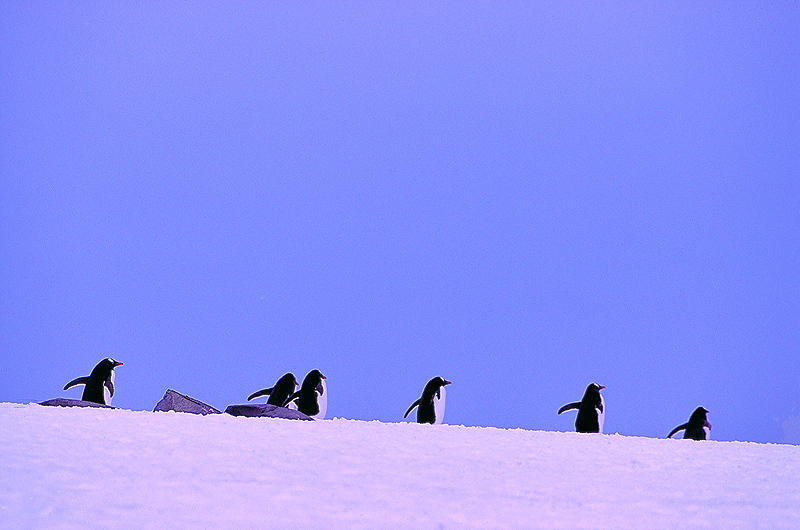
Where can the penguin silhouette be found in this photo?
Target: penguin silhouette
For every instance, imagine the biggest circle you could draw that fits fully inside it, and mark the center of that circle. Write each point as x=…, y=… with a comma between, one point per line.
x=430, y=407
x=279, y=393
x=99, y=384
x=312, y=398
x=697, y=428
x=591, y=410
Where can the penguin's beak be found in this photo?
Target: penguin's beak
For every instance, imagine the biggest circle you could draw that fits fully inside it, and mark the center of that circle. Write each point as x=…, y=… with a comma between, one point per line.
x=600, y=387
x=448, y=383
x=117, y=363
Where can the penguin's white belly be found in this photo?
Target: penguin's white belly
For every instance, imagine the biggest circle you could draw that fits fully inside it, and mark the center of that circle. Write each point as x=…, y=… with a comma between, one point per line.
x=438, y=405
x=601, y=414
x=708, y=432
x=322, y=401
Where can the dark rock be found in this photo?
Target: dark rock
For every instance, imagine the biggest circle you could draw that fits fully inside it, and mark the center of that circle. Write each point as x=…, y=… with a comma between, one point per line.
x=180, y=403
x=266, y=411
x=64, y=402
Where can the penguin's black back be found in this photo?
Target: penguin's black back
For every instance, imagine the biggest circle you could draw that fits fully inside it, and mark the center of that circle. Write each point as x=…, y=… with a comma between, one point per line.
x=589, y=409
x=694, y=428
x=278, y=394
x=307, y=404
x=307, y=395
x=95, y=385
x=282, y=390
x=587, y=419
x=426, y=412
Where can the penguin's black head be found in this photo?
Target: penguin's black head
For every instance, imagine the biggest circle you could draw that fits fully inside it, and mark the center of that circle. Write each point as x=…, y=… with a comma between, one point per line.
x=699, y=417
x=312, y=380
x=594, y=388
x=436, y=383
x=288, y=379
x=105, y=366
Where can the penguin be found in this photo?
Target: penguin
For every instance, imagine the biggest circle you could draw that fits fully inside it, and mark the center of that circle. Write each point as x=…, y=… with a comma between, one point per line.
x=279, y=393
x=99, y=384
x=591, y=410
x=697, y=428
x=430, y=407
x=312, y=398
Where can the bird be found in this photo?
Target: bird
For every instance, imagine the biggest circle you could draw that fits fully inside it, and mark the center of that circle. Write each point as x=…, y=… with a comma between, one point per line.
x=279, y=393
x=591, y=410
x=430, y=407
x=99, y=384
x=697, y=428
x=312, y=398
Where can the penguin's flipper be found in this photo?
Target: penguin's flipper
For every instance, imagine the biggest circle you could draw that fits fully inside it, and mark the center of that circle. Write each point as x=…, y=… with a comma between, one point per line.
x=109, y=384
x=265, y=392
x=290, y=399
x=320, y=388
x=569, y=406
x=75, y=382
x=678, y=428
x=417, y=402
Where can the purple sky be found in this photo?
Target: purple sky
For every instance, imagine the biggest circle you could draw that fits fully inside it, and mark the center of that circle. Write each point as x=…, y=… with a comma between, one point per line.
x=522, y=199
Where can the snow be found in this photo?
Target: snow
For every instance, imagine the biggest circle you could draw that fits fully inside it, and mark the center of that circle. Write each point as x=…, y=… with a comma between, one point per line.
x=70, y=468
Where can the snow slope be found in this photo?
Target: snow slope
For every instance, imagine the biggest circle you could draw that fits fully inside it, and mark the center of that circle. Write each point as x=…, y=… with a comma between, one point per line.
x=75, y=468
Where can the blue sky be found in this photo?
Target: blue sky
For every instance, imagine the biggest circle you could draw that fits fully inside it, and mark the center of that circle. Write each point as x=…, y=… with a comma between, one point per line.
x=521, y=198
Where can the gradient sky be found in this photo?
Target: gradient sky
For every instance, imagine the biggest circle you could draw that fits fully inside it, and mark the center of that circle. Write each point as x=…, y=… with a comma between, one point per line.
x=521, y=198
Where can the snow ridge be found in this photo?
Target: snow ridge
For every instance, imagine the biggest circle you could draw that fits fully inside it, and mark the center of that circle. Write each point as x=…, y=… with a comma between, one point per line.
x=63, y=467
